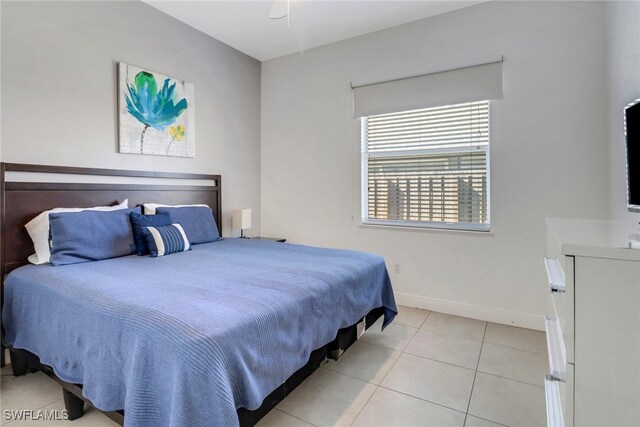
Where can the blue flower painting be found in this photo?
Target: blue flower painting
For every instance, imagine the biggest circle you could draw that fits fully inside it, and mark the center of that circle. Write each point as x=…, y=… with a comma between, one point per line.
x=157, y=113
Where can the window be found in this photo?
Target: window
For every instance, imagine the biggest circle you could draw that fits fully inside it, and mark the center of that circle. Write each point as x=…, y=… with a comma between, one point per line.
x=427, y=168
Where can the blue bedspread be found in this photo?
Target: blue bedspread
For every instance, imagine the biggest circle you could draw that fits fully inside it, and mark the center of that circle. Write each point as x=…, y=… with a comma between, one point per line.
x=184, y=340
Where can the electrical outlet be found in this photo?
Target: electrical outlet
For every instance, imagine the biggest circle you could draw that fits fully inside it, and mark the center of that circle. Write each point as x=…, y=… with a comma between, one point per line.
x=396, y=268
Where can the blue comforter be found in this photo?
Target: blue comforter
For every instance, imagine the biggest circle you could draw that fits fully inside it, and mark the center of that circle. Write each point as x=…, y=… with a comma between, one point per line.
x=184, y=340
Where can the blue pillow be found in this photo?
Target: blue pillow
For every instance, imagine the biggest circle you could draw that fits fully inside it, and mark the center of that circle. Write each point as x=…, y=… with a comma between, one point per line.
x=139, y=221
x=166, y=240
x=197, y=221
x=90, y=235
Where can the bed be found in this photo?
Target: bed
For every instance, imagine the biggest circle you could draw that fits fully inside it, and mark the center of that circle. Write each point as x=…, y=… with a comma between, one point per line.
x=214, y=336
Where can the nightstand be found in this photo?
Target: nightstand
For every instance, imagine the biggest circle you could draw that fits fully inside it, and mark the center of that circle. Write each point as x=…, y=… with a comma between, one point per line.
x=271, y=239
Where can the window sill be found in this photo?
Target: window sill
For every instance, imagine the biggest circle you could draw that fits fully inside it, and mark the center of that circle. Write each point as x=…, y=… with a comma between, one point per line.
x=478, y=232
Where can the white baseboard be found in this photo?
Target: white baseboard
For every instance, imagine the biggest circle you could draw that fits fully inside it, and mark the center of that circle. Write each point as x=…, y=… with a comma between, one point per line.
x=511, y=318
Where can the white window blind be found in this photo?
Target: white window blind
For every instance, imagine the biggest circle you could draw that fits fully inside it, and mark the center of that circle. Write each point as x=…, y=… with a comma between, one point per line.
x=428, y=167
x=464, y=84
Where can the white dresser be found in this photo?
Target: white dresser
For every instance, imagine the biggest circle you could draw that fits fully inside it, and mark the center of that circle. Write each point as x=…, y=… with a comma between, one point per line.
x=593, y=324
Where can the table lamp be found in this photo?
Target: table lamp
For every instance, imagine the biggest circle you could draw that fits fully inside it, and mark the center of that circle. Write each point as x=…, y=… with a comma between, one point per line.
x=242, y=220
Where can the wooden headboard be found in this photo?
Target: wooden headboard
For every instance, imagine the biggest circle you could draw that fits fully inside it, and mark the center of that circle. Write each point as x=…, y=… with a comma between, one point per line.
x=21, y=201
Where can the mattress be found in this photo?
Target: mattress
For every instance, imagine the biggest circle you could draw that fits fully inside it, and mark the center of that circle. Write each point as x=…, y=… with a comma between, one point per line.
x=187, y=339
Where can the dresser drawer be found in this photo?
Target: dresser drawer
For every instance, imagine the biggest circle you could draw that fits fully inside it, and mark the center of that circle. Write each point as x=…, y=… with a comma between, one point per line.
x=559, y=399
x=553, y=401
x=556, y=349
x=560, y=291
x=555, y=275
x=556, y=288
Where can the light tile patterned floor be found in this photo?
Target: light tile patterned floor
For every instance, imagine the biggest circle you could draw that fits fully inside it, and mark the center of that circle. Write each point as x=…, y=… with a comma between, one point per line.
x=425, y=369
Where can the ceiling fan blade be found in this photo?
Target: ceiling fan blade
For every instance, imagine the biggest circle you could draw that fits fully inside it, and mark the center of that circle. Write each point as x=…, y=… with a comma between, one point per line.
x=279, y=9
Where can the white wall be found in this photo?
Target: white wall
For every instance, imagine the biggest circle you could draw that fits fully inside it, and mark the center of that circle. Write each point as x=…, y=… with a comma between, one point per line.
x=548, y=149
x=59, y=91
x=623, y=79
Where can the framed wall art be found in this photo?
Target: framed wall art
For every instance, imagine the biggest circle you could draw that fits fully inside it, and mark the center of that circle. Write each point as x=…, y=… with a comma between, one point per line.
x=156, y=113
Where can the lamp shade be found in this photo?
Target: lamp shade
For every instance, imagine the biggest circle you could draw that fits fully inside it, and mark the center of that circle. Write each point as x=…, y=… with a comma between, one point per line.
x=242, y=218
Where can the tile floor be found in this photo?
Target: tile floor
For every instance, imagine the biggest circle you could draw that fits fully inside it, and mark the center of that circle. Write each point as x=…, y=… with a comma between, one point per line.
x=425, y=369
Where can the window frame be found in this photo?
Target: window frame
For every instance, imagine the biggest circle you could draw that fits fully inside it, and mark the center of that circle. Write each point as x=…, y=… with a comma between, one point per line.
x=437, y=225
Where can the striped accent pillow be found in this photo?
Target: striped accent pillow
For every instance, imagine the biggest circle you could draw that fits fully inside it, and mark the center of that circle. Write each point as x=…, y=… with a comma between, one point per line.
x=166, y=240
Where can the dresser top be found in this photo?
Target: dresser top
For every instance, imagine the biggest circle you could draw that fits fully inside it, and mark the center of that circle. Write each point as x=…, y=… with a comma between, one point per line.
x=595, y=238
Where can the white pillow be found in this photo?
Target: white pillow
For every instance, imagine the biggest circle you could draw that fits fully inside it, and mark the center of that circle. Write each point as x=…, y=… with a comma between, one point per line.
x=150, y=208
x=38, y=229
